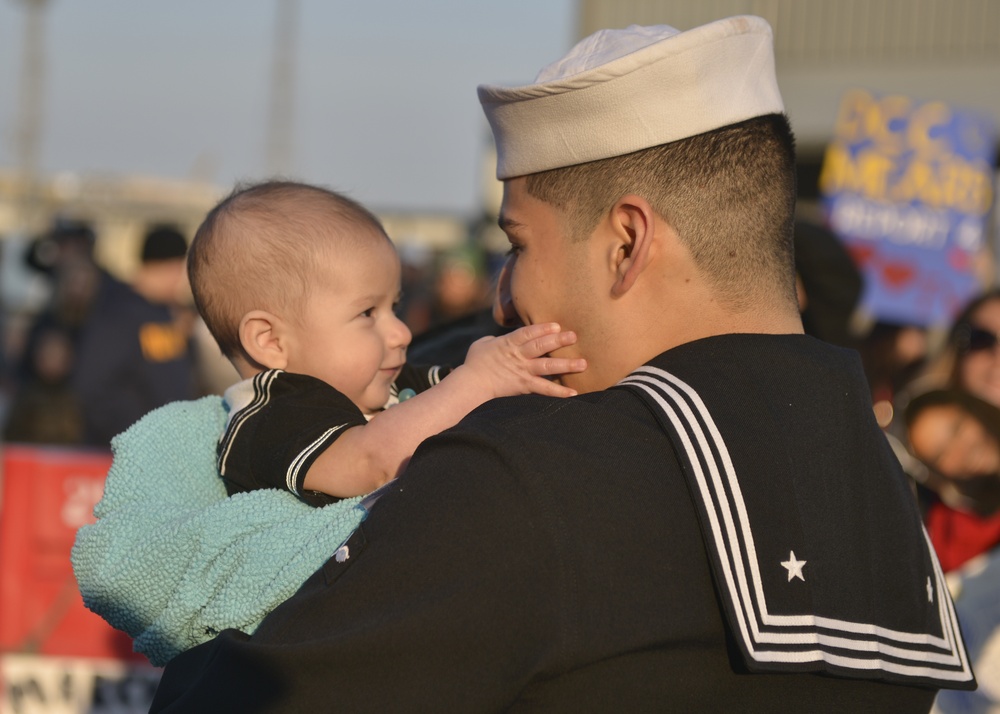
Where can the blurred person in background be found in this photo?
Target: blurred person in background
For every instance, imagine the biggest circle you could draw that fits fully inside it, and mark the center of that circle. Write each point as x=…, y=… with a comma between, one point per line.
x=953, y=428
x=460, y=285
x=969, y=359
x=957, y=437
x=828, y=283
x=903, y=362
x=893, y=356
x=460, y=309
x=39, y=352
x=65, y=256
x=973, y=360
x=44, y=408
x=135, y=352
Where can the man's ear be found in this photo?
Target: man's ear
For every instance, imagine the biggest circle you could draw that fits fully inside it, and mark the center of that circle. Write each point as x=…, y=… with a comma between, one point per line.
x=262, y=337
x=634, y=223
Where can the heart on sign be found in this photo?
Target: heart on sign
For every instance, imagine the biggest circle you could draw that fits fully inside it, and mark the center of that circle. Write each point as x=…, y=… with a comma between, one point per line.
x=895, y=274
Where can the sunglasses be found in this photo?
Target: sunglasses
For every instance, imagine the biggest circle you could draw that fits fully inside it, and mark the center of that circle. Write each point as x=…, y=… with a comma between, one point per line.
x=976, y=339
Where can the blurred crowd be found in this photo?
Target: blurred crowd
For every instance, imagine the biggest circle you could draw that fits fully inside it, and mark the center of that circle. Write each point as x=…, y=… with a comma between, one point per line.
x=102, y=352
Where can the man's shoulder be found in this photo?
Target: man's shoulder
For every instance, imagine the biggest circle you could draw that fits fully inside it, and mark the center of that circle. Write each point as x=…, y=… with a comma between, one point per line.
x=744, y=371
x=534, y=411
x=730, y=350
x=588, y=427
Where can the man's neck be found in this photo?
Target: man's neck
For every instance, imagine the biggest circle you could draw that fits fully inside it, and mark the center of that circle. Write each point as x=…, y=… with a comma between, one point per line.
x=646, y=339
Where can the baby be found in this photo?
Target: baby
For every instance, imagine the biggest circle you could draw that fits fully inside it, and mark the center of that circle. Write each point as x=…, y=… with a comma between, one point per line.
x=298, y=286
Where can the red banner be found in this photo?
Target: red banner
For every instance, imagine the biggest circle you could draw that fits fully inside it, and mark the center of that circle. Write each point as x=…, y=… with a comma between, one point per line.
x=47, y=494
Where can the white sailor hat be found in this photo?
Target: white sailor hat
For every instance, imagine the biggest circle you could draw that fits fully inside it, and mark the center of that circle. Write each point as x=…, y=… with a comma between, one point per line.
x=619, y=91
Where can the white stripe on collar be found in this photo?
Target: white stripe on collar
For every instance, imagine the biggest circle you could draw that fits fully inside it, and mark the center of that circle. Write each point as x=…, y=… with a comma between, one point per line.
x=780, y=638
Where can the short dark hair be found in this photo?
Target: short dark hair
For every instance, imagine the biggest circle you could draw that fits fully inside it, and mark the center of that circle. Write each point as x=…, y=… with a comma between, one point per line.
x=729, y=193
x=163, y=242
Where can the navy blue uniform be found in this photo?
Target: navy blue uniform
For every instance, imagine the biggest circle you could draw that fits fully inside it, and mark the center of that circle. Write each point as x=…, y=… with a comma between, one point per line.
x=563, y=556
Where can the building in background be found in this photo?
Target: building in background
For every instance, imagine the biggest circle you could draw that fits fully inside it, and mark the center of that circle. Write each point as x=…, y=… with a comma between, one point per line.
x=945, y=50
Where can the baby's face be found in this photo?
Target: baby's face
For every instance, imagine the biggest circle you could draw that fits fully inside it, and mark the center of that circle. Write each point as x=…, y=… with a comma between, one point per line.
x=349, y=335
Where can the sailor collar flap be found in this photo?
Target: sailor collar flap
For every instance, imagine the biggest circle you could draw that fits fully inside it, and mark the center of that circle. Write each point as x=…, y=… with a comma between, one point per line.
x=805, y=584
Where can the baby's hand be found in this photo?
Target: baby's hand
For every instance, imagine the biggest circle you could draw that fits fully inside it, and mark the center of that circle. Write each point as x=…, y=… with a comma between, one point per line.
x=516, y=363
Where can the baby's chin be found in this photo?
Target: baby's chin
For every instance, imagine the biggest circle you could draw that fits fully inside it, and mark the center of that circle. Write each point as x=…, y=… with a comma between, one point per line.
x=370, y=410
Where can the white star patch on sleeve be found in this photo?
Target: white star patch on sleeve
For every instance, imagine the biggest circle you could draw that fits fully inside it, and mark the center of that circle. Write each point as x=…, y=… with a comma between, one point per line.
x=794, y=567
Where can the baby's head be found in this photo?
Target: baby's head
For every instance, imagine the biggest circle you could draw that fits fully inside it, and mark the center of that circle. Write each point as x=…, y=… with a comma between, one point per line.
x=297, y=277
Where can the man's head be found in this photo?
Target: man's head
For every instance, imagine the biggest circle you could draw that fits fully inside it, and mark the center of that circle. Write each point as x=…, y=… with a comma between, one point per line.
x=298, y=277
x=160, y=277
x=728, y=193
x=664, y=167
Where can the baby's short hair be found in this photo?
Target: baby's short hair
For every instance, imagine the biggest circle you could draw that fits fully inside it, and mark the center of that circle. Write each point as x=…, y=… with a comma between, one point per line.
x=258, y=248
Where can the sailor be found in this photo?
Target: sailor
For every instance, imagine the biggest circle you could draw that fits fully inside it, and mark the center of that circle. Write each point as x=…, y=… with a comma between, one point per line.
x=715, y=524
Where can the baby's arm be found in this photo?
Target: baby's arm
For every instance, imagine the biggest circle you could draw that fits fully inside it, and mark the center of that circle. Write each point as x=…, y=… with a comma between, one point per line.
x=365, y=457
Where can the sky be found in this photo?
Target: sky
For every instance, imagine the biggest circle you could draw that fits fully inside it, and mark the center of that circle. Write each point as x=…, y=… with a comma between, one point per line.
x=384, y=107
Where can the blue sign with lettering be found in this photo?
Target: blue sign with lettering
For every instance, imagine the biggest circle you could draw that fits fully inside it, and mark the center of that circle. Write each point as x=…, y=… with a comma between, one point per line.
x=908, y=187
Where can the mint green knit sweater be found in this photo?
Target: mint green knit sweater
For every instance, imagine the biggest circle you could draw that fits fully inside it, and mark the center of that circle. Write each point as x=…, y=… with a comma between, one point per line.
x=171, y=560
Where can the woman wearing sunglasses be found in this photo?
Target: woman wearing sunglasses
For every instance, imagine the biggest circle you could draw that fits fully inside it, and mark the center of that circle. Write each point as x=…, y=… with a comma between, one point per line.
x=976, y=366
x=957, y=437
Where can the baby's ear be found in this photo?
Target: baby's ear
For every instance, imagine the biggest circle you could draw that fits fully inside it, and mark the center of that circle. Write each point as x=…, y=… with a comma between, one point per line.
x=262, y=339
